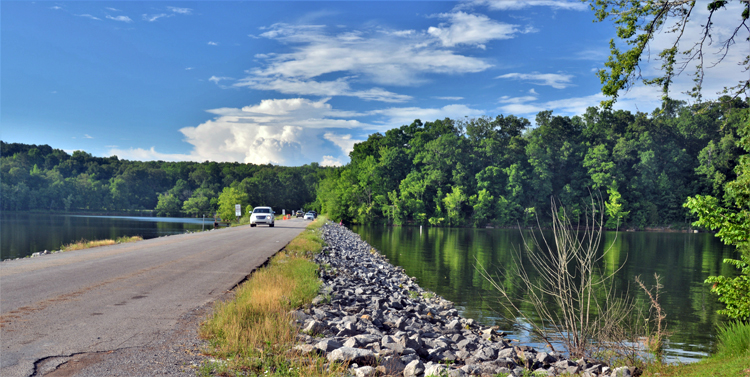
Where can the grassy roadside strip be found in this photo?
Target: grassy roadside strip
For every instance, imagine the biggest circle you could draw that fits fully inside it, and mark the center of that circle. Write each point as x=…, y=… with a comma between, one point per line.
x=252, y=334
x=83, y=244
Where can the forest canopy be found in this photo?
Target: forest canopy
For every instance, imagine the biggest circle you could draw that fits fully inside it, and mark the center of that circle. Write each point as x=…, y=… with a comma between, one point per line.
x=503, y=171
x=38, y=177
x=500, y=171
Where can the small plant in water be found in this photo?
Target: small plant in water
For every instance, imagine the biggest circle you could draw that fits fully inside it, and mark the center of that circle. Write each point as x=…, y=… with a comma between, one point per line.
x=656, y=334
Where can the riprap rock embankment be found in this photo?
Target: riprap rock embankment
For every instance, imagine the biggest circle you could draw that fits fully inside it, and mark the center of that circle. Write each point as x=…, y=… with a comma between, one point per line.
x=374, y=316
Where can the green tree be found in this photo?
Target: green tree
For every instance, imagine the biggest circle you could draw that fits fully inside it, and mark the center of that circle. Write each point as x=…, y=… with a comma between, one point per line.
x=168, y=205
x=732, y=220
x=454, y=202
x=638, y=23
x=228, y=198
x=484, y=207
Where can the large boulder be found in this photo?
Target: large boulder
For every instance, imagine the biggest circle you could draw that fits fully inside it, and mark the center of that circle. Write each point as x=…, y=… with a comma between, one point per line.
x=352, y=355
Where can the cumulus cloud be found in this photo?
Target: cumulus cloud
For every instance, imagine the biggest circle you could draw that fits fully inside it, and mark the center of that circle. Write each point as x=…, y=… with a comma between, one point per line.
x=471, y=29
x=120, y=18
x=87, y=136
x=345, y=142
x=211, y=43
x=279, y=131
x=331, y=161
x=555, y=80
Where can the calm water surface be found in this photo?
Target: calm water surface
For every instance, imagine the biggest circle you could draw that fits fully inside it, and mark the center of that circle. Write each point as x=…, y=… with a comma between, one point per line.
x=22, y=234
x=443, y=260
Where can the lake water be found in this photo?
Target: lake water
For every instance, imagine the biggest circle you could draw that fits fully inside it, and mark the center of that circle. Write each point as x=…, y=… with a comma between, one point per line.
x=443, y=260
x=22, y=234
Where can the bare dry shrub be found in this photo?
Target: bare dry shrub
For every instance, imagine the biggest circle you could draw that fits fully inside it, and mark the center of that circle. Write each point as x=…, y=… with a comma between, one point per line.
x=587, y=316
x=655, y=327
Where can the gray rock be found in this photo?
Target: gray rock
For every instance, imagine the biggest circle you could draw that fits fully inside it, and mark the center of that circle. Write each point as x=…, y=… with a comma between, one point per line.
x=414, y=368
x=467, y=345
x=365, y=371
x=307, y=349
x=391, y=366
x=507, y=353
x=456, y=373
x=314, y=327
x=328, y=345
x=486, y=353
x=352, y=355
x=432, y=369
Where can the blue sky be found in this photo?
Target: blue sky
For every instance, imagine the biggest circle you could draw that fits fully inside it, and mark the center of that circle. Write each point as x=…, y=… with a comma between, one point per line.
x=291, y=83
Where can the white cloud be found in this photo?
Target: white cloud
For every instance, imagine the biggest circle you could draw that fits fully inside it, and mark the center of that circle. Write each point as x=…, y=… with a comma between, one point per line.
x=120, y=18
x=113, y=9
x=338, y=87
x=471, y=29
x=449, y=98
x=555, y=80
x=86, y=15
x=642, y=99
x=507, y=99
x=149, y=155
x=216, y=79
x=331, y=161
x=345, y=142
x=399, y=116
x=521, y=4
x=180, y=10
x=210, y=43
x=154, y=17
x=189, y=68
x=279, y=131
x=55, y=7
x=87, y=136
x=373, y=57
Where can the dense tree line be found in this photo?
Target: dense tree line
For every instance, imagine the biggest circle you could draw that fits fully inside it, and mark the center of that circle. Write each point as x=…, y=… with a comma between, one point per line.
x=38, y=177
x=503, y=171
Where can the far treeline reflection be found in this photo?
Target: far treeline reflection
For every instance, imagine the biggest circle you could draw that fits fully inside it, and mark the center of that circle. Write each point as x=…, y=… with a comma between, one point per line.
x=443, y=260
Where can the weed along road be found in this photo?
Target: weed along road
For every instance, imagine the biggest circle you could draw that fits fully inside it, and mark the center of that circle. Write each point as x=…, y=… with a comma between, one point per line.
x=82, y=306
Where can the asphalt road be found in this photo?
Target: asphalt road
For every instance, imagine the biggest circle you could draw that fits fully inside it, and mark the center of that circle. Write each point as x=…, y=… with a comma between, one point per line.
x=61, y=307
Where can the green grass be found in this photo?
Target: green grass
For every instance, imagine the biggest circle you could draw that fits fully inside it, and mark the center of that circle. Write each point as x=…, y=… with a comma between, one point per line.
x=734, y=339
x=714, y=366
x=253, y=333
x=731, y=360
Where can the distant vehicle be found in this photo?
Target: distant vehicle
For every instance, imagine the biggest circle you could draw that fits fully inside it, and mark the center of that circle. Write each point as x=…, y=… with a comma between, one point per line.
x=300, y=214
x=315, y=214
x=310, y=216
x=262, y=215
